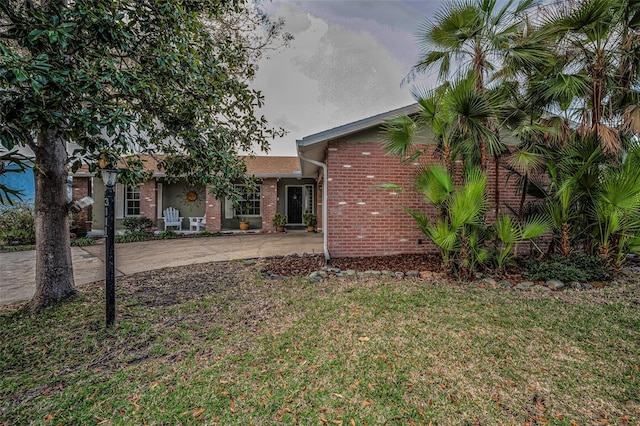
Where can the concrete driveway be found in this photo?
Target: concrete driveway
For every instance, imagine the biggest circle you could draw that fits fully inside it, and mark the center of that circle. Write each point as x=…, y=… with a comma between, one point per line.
x=17, y=270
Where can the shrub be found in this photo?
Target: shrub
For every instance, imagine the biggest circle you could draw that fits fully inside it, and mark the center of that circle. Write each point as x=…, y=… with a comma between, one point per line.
x=131, y=237
x=279, y=220
x=17, y=225
x=139, y=224
x=82, y=242
x=579, y=267
x=168, y=234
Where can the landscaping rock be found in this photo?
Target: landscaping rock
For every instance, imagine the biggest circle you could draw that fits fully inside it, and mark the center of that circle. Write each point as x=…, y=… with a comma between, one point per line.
x=323, y=274
x=387, y=273
x=541, y=288
x=350, y=272
x=399, y=275
x=250, y=262
x=525, y=285
x=490, y=281
x=315, y=279
x=313, y=275
x=505, y=284
x=374, y=273
x=274, y=276
x=555, y=284
x=413, y=274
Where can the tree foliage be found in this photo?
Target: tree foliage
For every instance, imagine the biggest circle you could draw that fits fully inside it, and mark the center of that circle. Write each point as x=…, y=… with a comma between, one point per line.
x=82, y=80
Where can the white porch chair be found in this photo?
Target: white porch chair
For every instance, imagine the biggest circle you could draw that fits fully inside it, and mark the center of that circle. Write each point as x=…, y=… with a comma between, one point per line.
x=196, y=223
x=172, y=218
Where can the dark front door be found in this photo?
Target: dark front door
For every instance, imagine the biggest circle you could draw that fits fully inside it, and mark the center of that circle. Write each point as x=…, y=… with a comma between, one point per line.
x=294, y=204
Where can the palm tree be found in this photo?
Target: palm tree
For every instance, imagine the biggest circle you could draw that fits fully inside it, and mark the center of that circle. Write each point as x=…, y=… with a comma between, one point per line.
x=470, y=37
x=596, y=77
x=454, y=113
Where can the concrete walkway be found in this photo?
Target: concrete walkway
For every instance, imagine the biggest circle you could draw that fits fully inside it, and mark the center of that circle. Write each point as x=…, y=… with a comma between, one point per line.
x=17, y=269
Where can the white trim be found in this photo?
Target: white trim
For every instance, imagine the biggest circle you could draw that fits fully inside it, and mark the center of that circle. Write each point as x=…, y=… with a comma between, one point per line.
x=119, y=210
x=259, y=187
x=228, y=209
x=139, y=200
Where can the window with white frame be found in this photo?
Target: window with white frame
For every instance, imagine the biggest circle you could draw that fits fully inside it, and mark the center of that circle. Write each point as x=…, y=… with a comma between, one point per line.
x=132, y=201
x=249, y=203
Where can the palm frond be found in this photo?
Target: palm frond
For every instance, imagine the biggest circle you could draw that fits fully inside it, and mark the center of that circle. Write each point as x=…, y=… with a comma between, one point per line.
x=398, y=136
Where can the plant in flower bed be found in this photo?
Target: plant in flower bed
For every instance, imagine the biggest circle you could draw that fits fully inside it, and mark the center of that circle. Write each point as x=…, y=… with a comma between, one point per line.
x=217, y=344
x=17, y=225
x=577, y=267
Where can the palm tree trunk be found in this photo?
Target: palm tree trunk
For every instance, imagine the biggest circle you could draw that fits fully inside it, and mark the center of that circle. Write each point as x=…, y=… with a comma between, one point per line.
x=523, y=196
x=496, y=165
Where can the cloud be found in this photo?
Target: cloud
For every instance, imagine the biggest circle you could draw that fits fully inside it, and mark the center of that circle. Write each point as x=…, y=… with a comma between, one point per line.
x=346, y=63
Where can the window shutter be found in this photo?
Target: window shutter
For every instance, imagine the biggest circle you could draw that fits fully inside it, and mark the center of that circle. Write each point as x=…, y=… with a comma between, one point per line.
x=119, y=211
x=228, y=209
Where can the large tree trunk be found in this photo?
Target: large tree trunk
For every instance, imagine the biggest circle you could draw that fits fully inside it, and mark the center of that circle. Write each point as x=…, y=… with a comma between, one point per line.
x=54, y=272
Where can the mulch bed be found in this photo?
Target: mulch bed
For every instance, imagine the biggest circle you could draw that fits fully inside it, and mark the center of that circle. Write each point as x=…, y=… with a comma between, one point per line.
x=303, y=265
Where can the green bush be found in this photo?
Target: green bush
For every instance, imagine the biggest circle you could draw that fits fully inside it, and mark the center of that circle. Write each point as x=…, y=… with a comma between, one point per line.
x=167, y=235
x=139, y=224
x=82, y=242
x=132, y=237
x=17, y=225
x=578, y=267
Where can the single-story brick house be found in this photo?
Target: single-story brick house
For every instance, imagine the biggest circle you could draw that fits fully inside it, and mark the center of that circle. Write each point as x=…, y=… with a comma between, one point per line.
x=338, y=175
x=363, y=219
x=281, y=188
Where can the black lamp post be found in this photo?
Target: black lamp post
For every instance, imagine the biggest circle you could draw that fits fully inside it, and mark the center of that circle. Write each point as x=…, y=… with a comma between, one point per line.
x=110, y=176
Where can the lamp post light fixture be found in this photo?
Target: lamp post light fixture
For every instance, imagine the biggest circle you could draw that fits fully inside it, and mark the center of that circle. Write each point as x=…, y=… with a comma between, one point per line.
x=109, y=177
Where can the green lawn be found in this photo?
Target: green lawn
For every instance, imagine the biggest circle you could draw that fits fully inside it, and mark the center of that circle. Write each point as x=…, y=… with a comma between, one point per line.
x=217, y=344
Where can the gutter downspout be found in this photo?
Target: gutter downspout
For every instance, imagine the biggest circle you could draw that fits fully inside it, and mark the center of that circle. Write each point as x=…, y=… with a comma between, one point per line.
x=325, y=218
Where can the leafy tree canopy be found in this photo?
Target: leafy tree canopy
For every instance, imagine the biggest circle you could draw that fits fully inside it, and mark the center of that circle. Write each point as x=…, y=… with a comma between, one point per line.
x=124, y=77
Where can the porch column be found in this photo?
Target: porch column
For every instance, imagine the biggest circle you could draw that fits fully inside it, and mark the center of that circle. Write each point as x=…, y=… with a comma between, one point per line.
x=213, y=212
x=148, y=200
x=269, y=203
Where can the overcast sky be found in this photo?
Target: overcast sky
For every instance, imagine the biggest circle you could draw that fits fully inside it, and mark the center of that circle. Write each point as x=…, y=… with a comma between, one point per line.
x=346, y=62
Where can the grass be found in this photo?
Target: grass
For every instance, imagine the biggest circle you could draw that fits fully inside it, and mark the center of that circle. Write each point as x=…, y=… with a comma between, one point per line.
x=217, y=344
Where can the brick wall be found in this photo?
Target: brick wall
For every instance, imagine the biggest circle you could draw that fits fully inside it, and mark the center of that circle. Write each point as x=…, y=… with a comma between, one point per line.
x=269, y=192
x=213, y=213
x=365, y=220
x=148, y=197
x=81, y=187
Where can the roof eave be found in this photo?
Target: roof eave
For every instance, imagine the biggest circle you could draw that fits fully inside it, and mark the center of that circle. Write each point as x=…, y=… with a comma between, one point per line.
x=314, y=146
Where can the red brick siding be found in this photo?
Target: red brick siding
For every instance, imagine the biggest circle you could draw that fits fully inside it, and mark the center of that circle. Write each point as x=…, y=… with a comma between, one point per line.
x=213, y=213
x=148, y=200
x=269, y=192
x=365, y=220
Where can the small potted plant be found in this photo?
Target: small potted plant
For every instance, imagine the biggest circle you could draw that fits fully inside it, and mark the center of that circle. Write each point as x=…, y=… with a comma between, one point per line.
x=310, y=220
x=279, y=220
x=244, y=222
